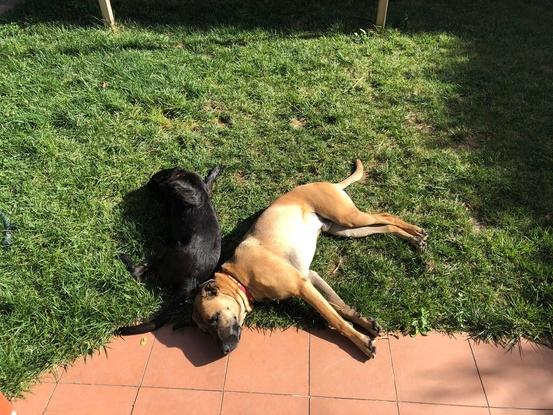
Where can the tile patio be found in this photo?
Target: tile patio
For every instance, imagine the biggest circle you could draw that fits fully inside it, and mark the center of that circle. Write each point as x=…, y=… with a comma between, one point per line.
x=296, y=372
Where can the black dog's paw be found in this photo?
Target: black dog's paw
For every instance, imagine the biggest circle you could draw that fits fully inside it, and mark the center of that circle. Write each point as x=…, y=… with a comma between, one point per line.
x=210, y=178
x=125, y=259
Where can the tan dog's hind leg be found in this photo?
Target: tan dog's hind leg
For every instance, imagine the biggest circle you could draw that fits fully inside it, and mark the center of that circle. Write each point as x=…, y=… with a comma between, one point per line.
x=354, y=218
x=339, y=230
x=310, y=294
x=346, y=311
x=336, y=206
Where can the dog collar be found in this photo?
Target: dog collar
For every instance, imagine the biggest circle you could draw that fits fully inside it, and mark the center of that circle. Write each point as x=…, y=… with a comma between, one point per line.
x=242, y=288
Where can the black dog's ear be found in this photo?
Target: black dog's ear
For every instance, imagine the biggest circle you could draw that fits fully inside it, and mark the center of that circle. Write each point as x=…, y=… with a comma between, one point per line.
x=187, y=193
x=157, y=185
x=209, y=289
x=210, y=179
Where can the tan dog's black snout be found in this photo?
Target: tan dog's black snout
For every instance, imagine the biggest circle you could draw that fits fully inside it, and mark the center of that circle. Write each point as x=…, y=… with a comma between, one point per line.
x=230, y=338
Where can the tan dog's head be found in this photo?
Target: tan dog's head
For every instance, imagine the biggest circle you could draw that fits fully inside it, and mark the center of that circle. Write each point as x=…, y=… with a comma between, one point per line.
x=218, y=311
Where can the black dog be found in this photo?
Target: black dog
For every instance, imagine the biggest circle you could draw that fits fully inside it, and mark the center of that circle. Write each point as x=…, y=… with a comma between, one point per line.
x=193, y=252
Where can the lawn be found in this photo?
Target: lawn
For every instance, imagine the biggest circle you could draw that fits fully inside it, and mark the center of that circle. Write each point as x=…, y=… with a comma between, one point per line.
x=450, y=109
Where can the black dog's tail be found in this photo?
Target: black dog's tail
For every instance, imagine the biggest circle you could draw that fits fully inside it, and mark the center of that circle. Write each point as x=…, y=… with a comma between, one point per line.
x=163, y=317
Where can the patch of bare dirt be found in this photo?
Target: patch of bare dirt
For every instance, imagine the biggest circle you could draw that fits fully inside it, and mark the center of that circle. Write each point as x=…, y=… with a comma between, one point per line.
x=297, y=123
x=240, y=178
x=468, y=143
x=223, y=121
x=413, y=119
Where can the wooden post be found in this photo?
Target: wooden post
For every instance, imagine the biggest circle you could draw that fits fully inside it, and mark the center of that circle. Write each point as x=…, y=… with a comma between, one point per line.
x=381, y=13
x=107, y=13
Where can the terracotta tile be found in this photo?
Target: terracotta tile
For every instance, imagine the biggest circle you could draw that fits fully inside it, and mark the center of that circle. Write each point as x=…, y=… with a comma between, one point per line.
x=177, y=402
x=6, y=407
x=339, y=369
x=74, y=399
x=36, y=400
x=436, y=369
x=505, y=411
x=433, y=409
x=122, y=363
x=185, y=359
x=270, y=362
x=260, y=404
x=333, y=406
x=522, y=378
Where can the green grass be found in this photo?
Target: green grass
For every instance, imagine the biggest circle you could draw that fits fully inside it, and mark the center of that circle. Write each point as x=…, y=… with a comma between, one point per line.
x=450, y=110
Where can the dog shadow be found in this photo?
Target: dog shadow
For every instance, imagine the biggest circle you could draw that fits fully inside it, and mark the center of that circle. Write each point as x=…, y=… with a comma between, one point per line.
x=198, y=347
x=145, y=227
x=332, y=336
x=231, y=240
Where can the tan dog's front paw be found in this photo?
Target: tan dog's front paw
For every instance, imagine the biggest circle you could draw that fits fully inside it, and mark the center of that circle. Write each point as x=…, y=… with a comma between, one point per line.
x=368, y=347
x=370, y=325
x=372, y=349
x=377, y=329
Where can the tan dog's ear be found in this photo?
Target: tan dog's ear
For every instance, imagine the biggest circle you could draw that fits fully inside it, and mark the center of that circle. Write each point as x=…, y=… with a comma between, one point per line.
x=209, y=289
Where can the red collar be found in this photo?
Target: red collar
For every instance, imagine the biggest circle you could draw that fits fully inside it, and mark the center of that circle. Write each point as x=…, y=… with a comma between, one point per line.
x=242, y=288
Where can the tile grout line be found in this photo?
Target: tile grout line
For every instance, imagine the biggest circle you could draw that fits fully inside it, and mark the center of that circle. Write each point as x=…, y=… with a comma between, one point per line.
x=50, y=398
x=309, y=372
x=456, y=405
x=143, y=372
x=224, y=384
x=479, y=376
x=393, y=374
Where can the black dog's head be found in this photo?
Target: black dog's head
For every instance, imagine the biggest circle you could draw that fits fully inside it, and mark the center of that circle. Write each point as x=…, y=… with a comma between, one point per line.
x=179, y=184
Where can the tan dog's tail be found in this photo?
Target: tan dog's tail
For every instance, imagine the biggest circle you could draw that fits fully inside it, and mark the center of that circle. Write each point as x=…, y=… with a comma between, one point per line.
x=355, y=176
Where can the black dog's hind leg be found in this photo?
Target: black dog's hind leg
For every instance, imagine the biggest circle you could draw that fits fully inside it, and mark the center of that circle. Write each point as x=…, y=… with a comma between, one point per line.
x=136, y=271
x=210, y=179
x=185, y=318
x=162, y=317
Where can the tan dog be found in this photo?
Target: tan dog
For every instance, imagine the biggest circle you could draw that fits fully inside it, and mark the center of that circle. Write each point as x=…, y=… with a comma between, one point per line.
x=273, y=260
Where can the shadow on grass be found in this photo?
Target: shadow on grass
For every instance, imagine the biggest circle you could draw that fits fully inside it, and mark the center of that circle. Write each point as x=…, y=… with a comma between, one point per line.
x=148, y=219
x=501, y=113
x=282, y=15
x=500, y=118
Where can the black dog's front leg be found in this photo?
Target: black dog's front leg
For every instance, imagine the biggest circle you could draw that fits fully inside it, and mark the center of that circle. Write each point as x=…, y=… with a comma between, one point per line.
x=210, y=179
